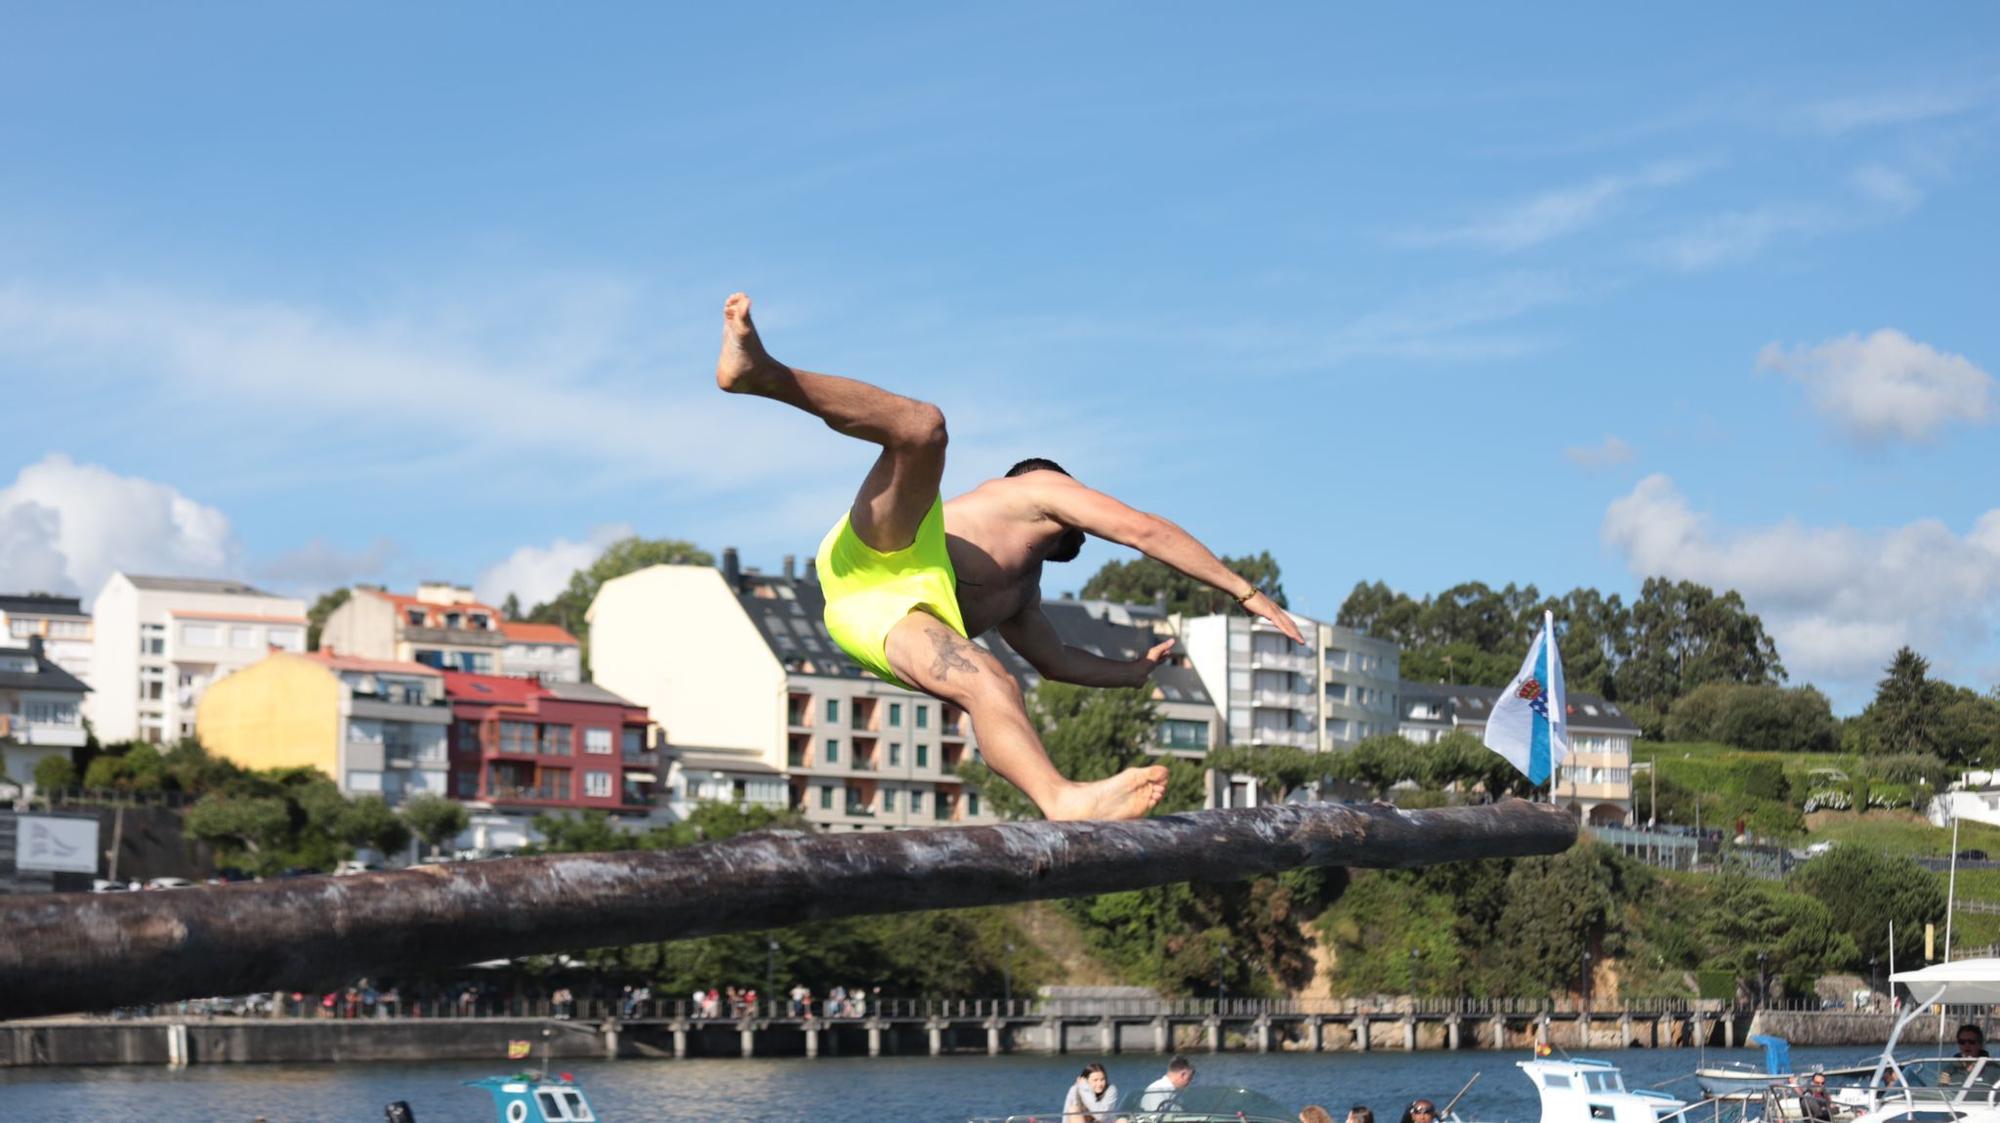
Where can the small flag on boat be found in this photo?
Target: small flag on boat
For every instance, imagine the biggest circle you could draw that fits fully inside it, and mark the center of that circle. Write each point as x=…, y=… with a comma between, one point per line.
x=1528, y=725
x=517, y=1049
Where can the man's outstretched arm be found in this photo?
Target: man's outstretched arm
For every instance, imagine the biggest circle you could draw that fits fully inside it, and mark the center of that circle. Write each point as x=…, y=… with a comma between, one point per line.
x=1093, y=512
x=1032, y=637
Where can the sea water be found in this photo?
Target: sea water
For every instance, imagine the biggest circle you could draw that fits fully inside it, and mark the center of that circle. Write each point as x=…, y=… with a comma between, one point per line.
x=824, y=1090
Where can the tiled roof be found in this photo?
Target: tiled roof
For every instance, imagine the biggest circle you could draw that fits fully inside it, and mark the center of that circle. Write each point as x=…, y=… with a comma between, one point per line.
x=499, y=689
x=587, y=692
x=525, y=632
x=195, y=585
x=1474, y=704
x=341, y=662
x=39, y=604
x=46, y=676
x=403, y=601
x=244, y=617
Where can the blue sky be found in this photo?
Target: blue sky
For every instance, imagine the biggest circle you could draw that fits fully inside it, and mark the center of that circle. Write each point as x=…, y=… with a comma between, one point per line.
x=1566, y=297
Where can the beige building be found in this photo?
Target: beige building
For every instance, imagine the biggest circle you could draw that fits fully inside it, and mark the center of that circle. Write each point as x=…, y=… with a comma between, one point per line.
x=160, y=642
x=759, y=706
x=445, y=627
x=1595, y=782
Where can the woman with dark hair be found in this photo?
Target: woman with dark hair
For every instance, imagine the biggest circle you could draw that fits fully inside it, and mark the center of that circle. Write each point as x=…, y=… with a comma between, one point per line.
x=1091, y=1096
x=1360, y=1113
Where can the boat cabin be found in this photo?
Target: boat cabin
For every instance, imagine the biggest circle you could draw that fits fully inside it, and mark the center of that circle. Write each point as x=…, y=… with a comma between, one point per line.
x=1580, y=1091
x=532, y=1098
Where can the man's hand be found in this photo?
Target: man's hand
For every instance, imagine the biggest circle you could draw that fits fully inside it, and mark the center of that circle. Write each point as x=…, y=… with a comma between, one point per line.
x=1260, y=605
x=1142, y=667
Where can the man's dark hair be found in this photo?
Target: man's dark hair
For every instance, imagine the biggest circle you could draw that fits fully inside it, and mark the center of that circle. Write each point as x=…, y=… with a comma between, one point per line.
x=1034, y=464
x=1179, y=1063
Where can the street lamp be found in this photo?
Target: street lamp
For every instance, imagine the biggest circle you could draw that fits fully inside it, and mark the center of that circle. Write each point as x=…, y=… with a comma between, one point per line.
x=770, y=970
x=1416, y=960
x=1583, y=984
x=1221, y=979
x=1763, y=980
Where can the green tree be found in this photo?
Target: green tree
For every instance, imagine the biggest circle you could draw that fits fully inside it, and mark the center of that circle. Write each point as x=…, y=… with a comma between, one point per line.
x=368, y=821
x=321, y=609
x=1762, y=718
x=510, y=608
x=1902, y=716
x=1143, y=580
x=1461, y=664
x=1377, y=610
x=1090, y=734
x=1684, y=635
x=132, y=766
x=1866, y=889
x=435, y=819
x=54, y=774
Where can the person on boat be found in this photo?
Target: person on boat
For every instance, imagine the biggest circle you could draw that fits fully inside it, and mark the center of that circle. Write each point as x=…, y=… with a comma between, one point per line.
x=1360, y=1113
x=1160, y=1092
x=1420, y=1111
x=910, y=579
x=1313, y=1113
x=1091, y=1096
x=1814, y=1102
x=1972, y=1041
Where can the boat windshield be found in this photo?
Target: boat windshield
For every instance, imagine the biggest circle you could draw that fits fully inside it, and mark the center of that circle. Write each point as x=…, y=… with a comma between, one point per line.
x=1607, y=1081
x=1202, y=1103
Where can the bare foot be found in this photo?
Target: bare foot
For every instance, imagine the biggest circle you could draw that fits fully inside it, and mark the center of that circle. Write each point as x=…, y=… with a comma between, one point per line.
x=744, y=366
x=1128, y=795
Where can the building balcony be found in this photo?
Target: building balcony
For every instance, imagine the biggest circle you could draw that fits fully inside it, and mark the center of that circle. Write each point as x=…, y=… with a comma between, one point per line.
x=1277, y=661
x=1285, y=700
x=1621, y=793
x=55, y=734
x=1294, y=738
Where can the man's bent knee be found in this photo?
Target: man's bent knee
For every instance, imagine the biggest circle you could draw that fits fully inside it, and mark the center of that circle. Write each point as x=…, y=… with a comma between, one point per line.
x=924, y=427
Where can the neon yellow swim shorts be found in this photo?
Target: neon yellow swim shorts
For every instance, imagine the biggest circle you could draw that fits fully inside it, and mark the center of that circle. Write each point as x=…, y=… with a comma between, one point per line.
x=868, y=592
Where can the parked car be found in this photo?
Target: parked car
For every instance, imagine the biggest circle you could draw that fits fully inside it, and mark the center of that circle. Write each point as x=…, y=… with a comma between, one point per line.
x=170, y=883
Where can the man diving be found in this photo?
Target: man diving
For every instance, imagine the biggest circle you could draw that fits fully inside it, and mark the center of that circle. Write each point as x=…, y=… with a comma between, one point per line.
x=909, y=577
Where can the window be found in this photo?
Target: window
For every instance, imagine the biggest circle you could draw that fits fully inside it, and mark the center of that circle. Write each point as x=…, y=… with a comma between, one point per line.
x=895, y=754
x=152, y=690
x=833, y=709
x=826, y=797
x=923, y=717
x=481, y=621
x=243, y=637
x=556, y=740
x=288, y=639
x=152, y=639
x=69, y=629
x=635, y=741
x=895, y=713
x=555, y=784
x=414, y=616
x=21, y=627
x=888, y=799
x=201, y=635
x=597, y=740
x=50, y=713
x=972, y=803
x=1181, y=733
x=468, y=785
x=923, y=754
x=517, y=737
x=832, y=755
x=597, y=785
x=451, y=619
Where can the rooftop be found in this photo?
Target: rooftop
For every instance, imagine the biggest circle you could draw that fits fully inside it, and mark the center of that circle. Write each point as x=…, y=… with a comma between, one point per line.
x=341, y=662
x=40, y=604
x=45, y=676
x=196, y=585
x=1473, y=704
x=523, y=632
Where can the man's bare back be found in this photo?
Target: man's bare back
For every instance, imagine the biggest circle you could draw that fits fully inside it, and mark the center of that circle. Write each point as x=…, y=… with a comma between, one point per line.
x=997, y=537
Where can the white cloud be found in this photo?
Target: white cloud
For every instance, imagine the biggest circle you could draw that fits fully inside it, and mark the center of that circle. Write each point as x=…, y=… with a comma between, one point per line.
x=1887, y=107
x=1556, y=213
x=1608, y=453
x=66, y=527
x=1732, y=236
x=1838, y=600
x=1887, y=186
x=537, y=573
x=570, y=372
x=1886, y=386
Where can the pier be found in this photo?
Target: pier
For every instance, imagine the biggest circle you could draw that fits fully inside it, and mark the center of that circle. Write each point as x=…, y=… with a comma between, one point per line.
x=914, y=1027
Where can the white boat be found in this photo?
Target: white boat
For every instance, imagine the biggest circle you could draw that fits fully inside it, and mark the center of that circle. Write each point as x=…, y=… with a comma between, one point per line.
x=1577, y=1090
x=1930, y=1090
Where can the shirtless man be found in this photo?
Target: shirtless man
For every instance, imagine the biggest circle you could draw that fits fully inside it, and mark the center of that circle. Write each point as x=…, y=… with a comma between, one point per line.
x=908, y=577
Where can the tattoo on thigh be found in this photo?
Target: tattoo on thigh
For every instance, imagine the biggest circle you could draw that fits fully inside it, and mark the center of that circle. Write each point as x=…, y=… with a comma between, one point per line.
x=949, y=657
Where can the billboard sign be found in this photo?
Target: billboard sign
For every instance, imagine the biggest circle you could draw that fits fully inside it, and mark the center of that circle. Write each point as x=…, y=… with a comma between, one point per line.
x=58, y=843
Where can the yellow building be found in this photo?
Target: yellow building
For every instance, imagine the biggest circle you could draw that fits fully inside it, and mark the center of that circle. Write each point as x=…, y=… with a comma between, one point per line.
x=376, y=727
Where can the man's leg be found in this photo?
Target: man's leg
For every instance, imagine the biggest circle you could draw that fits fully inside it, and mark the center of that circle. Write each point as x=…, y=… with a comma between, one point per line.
x=899, y=490
x=930, y=656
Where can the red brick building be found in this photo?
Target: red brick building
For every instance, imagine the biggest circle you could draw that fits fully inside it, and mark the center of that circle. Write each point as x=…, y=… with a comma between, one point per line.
x=527, y=746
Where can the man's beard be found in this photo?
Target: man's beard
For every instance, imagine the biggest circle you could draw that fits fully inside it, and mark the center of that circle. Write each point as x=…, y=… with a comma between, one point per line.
x=1067, y=547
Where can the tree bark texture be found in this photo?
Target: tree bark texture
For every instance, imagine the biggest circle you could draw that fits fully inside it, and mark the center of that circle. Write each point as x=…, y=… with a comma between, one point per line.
x=79, y=952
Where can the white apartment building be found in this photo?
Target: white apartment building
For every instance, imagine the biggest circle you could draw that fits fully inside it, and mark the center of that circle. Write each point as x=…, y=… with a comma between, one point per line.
x=160, y=641
x=1266, y=687
x=41, y=713
x=60, y=622
x=1595, y=782
x=444, y=626
x=760, y=706
x=1359, y=677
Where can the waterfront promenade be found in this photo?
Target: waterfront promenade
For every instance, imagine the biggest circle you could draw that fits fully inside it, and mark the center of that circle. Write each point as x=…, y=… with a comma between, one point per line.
x=917, y=1027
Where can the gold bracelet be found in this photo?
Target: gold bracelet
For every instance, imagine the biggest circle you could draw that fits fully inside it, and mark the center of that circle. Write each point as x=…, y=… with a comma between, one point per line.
x=1246, y=598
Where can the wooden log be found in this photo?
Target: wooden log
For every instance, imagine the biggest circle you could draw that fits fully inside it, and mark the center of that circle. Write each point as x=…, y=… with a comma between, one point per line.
x=70, y=952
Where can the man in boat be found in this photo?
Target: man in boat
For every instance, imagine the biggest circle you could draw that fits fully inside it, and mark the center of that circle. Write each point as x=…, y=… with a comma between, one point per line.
x=910, y=578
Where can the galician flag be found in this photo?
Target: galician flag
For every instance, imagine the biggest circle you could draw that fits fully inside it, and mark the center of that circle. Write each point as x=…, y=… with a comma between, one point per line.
x=1529, y=725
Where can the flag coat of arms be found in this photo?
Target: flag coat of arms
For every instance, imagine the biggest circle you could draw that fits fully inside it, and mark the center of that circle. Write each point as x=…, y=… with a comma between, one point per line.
x=1529, y=725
